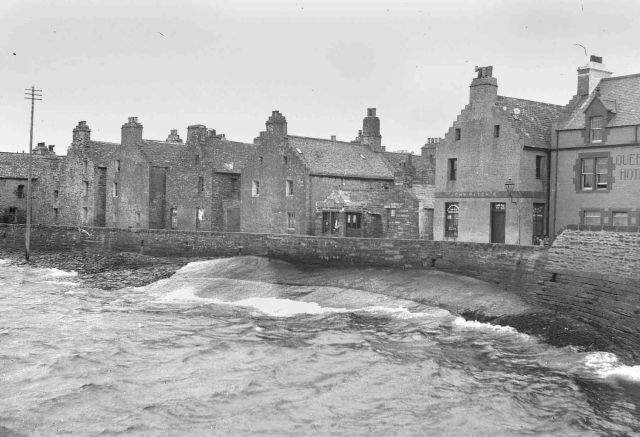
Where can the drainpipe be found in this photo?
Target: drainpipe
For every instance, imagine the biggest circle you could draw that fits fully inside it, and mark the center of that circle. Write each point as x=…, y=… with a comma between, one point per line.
x=555, y=188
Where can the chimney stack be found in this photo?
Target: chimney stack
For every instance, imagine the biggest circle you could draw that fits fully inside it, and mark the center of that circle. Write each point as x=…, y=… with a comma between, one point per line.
x=81, y=133
x=131, y=132
x=483, y=89
x=333, y=138
x=589, y=75
x=371, y=131
x=277, y=124
x=196, y=134
x=173, y=137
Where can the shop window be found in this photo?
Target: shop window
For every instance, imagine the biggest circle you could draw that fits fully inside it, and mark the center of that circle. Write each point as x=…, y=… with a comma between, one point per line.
x=592, y=217
x=291, y=220
x=458, y=134
x=594, y=173
x=538, y=223
x=288, y=187
x=620, y=218
x=596, y=125
x=496, y=131
x=329, y=222
x=453, y=169
x=20, y=191
x=451, y=220
x=539, y=164
x=354, y=220
x=255, y=188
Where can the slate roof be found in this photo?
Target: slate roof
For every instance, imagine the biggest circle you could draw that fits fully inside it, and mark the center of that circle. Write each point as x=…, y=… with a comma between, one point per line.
x=620, y=94
x=161, y=153
x=341, y=159
x=15, y=165
x=100, y=152
x=228, y=156
x=532, y=120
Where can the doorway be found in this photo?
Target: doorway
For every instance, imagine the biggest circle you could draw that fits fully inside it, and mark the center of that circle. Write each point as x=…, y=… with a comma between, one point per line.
x=498, y=215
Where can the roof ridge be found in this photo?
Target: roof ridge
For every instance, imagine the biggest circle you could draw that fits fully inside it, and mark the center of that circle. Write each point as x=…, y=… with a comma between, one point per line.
x=328, y=140
x=532, y=101
x=620, y=77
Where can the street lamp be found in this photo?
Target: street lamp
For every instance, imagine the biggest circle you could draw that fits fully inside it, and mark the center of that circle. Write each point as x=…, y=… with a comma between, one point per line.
x=509, y=186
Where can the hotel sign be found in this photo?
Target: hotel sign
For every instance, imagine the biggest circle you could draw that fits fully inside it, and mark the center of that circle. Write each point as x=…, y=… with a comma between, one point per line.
x=489, y=194
x=631, y=162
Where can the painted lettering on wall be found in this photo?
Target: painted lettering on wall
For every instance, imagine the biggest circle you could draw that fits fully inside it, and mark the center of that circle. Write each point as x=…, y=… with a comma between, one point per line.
x=628, y=160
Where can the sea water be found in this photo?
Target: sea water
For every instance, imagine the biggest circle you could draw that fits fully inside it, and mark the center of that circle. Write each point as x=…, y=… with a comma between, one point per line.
x=209, y=353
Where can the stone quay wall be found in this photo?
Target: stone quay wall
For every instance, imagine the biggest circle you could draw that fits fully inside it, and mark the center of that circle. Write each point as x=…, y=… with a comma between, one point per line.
x=590, y=275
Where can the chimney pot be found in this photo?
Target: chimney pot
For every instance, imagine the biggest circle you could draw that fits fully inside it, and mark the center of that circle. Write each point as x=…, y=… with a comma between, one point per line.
x=333, y=138
x=371, y=112
x=51, y=146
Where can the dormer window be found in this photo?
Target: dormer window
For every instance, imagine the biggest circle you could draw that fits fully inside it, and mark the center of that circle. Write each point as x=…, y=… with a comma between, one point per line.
x=596, y=126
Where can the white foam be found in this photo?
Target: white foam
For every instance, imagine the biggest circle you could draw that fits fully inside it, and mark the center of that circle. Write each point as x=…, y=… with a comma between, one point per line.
x=57, y=273
x=474, y=324
x=606, y=365
x=4, y=262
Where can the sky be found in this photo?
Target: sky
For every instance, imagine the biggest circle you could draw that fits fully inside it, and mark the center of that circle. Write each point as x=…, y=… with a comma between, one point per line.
x=322, y=63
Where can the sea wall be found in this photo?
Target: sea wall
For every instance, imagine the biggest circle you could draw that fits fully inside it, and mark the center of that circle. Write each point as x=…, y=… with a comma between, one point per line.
x=593, y=276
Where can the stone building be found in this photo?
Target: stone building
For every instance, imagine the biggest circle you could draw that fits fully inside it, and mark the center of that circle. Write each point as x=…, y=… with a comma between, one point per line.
x=492, y=178
x=595, y=158
x=313, y=186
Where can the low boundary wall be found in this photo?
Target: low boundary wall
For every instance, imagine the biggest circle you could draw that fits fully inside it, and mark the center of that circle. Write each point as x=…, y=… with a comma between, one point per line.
x=593, y=276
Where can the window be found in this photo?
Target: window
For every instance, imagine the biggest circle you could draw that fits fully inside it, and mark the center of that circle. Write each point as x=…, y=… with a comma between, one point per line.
x=496, y=131
x=285, y=160
x=235, y=186
x=86, y=187
x=85, y=214
x=199, y=217
x=55, y=213
x=291, y=220
x=200, y=184
x=197, y=159
x=620, y=218
x=451, y=220
x=288, y=187
x=329, y=222
x=594, y=173
x=174, y=218
x=55, y=194
x=354, y=220
x=453, y=168
x=137, y=219
x=539, y=164
x=20, y=191
x=391, y=215
x=458, y=134
x=592, y=218
x=13, y=214
x=117, y=165
x=538, y=223
x=260, y=160
x=85, y=166
x=255, y=188
x=596, y=125
x=115, y=189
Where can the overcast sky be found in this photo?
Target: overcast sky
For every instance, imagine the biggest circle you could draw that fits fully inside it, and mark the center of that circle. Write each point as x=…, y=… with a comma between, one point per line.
x=321, y=63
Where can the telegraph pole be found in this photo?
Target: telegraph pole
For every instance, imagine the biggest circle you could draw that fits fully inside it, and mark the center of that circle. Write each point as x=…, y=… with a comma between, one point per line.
x=31, y=94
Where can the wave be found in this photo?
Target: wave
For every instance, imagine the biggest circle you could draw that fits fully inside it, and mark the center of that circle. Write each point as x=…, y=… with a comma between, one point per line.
x=607, y=366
